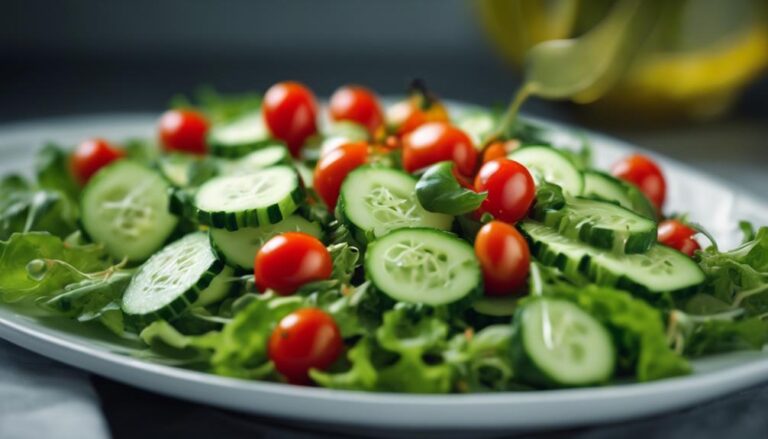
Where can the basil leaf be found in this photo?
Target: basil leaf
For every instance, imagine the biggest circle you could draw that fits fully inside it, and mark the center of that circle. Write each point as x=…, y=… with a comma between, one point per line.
x=438, y=191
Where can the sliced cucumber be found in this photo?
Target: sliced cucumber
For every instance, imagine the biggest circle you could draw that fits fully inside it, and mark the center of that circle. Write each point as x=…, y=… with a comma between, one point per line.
x=306, y=173
x=239, y=248
x=424, y=266
x=186, y=170
x=218, y=290
x=496, y=306
x=125, y=207
x=263, y=197
x=478, y=125
x=556, y=344
x=171, y=280
x=609, y=188
x=265, y=157
x=659, y=270
x=602, y=224
x=348, y=130
x=175, y=168
x=374, y=201
x=239, y=137
x=551, y=165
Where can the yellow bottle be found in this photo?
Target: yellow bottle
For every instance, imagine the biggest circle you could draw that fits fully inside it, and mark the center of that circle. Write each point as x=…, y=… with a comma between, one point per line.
x=698, y=58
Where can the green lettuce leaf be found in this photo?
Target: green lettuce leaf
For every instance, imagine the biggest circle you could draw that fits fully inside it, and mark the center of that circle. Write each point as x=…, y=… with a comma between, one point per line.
x=414, y=338
x=439, y=191
x=348, y=306
x=740, y=276
x=173, y=347
x=53, y=172
x=39, y=264
x=361, y=375
x=94, y=299
x=142, y=150
x=726, y=331
x=220, y=107
x=404, y=355
x=549, y=196
x=26, y=209
x=482, y=361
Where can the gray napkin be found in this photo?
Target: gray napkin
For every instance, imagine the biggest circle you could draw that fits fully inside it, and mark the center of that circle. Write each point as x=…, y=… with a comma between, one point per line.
x=41, y=398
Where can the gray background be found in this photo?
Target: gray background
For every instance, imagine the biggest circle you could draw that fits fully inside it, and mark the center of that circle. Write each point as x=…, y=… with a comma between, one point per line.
x=86, y=56
x=89, y=56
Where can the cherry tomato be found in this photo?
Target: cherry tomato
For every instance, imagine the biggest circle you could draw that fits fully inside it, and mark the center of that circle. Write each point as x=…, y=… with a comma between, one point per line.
x=290, y=110
x=303, y=340
x=92, y=155
x=646, y=175
x=677, y=235
x=358, y=104
x=504, y=257
x=332, y=169
x=183, y=131
x=436, y=142
x=290, y=260
x=499, y=149
x=405, y=116
x=510, y=188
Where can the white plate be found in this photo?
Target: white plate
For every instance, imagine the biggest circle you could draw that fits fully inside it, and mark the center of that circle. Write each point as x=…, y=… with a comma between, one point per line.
x=711, y=202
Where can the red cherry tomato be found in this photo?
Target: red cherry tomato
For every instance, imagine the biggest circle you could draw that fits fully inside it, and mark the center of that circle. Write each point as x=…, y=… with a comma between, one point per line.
x=332, y=169
x=303, y=340
x=504, y=257
x=646, y=175
x=677, y=235
x=405, y=116
x=183, y=131
x=358, y=104
x=290, y=260
x=436, y=142
x=499, y=149
x=92, y=155
x=510, y=188
x=290, y=110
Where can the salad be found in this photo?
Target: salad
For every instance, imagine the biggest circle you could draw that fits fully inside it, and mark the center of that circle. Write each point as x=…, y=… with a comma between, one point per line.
x=355, y=247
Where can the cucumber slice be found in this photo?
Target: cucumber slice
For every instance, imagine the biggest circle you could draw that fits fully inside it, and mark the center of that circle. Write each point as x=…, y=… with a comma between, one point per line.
x=424, y=266
x=218, y=290
x=306, y=173
x=239, y=137
x=171, y=280
x=265, y=157
x=175, y=169
x=478, y=125
x=557, y=344
x=496, y=306
x=236, y=201
x=551, y=165
x=125, y=207
x=602, y=224
x=606, y=187
x=239, y=248
x=374, y=201
x=348, y=130
x=185, y=170
x=340, y=133
x=659, y=270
